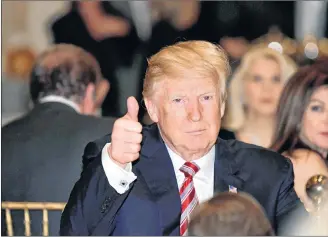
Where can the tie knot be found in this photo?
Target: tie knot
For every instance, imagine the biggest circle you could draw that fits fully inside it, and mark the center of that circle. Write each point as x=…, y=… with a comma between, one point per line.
x=189, y=169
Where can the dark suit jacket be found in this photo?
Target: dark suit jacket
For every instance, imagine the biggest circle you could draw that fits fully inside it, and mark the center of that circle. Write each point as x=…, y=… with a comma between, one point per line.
x=152, y=204
x=41, y=157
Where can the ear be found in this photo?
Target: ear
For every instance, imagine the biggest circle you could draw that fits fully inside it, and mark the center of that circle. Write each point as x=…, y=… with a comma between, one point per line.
x=222, y=109
x=102, y=89
x=88, y=105
x=152, y=110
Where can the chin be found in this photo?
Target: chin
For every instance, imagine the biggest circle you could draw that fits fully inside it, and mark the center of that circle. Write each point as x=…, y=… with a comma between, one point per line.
x=323, y=144
x=267, y=111
x=197, y=146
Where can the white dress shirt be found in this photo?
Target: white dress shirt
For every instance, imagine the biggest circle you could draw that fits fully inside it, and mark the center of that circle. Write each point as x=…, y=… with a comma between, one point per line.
x=60, y=99
x=120, y=179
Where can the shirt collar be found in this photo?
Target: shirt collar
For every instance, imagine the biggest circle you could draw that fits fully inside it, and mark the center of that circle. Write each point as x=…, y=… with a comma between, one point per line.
x=205, y=163
x=60, y=99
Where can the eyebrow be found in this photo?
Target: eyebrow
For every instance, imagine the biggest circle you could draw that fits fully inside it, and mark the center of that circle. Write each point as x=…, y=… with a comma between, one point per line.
x=176, y=95
x=185, y=95
x=317, y=100
x=258, y=75
x=206, y=93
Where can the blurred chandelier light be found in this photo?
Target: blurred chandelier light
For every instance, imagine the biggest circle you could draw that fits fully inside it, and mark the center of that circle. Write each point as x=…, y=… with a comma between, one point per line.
x=276, y=46
x=276, y=40
x=311, y=50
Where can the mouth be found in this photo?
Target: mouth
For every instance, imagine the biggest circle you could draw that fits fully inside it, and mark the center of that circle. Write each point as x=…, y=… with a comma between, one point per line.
x=196, y=132
x=325, y=134
x=266, y=101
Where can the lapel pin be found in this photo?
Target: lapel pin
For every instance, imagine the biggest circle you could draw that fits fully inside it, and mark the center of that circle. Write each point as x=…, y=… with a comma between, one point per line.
x=232, y=189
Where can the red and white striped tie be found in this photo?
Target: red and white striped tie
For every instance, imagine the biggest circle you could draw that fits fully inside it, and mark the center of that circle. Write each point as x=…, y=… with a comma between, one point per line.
x=188, y=195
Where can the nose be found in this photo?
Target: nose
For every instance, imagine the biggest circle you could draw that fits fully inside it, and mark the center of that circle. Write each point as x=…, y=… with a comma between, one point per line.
x=267, y=86
x=194, y=111
x=325, y=118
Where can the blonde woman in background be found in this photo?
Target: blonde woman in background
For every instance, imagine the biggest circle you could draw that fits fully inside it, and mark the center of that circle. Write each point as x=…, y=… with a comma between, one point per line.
x=254, y=93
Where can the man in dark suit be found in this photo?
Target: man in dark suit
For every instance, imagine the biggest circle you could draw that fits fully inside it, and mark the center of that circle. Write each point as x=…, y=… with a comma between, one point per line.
x=40, y=150
x=147, y=181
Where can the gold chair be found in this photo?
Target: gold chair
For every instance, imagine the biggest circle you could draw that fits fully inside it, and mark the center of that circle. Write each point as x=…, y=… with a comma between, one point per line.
x=26, y=207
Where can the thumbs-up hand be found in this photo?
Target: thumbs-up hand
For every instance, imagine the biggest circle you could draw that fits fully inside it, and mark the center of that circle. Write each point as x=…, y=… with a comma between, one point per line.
x=126, y=136
x=133, y=109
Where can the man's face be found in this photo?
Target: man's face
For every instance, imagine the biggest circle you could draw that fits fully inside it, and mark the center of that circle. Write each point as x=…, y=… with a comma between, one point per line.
x=188, y=114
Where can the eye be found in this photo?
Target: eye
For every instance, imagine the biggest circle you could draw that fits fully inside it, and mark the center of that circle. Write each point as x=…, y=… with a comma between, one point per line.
x=276, y=79
x=207, y=97
x=257, y=78
x=177, y=100
x=316, y=108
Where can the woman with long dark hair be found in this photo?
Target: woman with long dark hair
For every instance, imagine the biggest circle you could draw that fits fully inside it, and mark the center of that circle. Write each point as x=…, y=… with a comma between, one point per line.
x=302, y=124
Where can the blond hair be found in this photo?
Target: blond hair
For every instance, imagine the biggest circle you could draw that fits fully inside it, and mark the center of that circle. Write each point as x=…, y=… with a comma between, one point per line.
x=203, y=58
x=235, y=113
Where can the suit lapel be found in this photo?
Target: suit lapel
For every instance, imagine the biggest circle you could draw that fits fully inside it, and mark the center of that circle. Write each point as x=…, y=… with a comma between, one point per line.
x=156, y=170
x=225, y=169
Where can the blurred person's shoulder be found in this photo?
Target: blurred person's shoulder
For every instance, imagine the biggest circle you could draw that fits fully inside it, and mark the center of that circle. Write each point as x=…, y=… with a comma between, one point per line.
x=305, y=155
x=98, y=120
x=307, y=163
x=95, y=126
x=14, y=125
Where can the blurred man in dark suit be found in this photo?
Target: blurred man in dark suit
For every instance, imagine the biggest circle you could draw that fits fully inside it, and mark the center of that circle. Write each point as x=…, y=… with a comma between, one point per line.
x=35, y=164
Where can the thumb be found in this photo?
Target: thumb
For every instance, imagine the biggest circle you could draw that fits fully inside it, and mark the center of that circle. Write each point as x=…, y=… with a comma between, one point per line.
x=133, y=108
